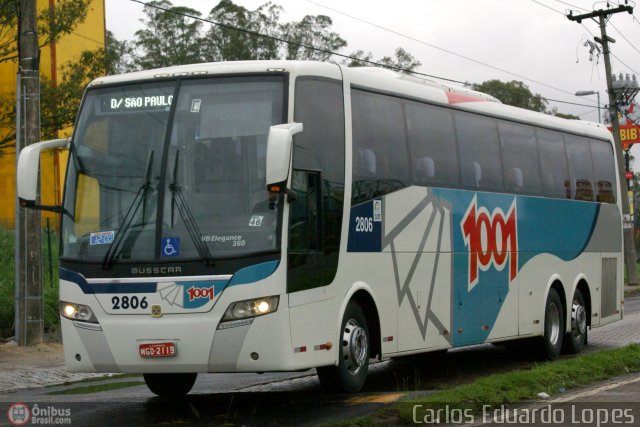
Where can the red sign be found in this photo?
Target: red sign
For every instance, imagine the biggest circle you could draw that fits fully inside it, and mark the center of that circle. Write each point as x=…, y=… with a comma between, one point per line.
x=628, y=175
x=159, y=349
x=629, y=135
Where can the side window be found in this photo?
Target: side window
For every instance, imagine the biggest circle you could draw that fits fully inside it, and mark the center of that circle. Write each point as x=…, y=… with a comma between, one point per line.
x=380, y=157
x=604, y=171
x=580, y=167
x=432, y=143
x=479, y=152
x=519, y=158
x=553, y=165
x=315, y=216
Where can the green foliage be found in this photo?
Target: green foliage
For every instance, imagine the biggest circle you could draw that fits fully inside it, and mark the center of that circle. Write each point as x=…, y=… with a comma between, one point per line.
x=403, y=60
x=514, y=93
x=66, y=15
x=311, y=31
x=7, y=282
x=7, y=273
x=168, y=37
x=222, y=43
x=519, y=386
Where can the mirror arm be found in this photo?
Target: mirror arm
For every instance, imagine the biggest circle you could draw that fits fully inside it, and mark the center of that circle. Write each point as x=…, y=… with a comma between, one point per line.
x=31, y=205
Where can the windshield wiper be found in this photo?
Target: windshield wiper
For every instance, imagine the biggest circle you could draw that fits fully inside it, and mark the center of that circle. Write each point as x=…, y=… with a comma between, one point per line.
x=139, y=199
x=177, y=200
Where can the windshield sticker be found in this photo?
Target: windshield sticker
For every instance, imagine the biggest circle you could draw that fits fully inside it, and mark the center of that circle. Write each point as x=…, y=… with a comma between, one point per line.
x=101, y=238
x=195, y=105
x=234, y=240
x=170, y=246
x=256, y=221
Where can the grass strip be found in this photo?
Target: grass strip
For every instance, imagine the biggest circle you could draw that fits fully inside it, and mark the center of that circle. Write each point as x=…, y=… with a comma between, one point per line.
x=513, y=387
x=99, y=387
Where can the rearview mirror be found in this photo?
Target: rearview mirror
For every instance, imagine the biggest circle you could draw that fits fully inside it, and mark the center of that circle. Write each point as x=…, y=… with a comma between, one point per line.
x=279, y=147
x=27, y=171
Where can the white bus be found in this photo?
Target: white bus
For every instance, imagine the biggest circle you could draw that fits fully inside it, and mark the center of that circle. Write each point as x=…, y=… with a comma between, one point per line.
x=281, y=216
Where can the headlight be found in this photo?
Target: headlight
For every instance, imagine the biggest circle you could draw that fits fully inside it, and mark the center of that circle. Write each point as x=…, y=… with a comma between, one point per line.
x=250, y=308
x=77, y=312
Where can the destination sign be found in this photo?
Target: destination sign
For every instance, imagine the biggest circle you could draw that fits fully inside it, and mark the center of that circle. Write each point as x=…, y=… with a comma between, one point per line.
x=137, y=103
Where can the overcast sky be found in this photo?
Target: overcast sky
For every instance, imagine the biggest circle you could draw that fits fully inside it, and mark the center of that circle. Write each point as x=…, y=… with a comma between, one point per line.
x=527, y=40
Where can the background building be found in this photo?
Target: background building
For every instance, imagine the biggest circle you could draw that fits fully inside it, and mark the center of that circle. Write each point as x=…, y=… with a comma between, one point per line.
x=87, y=35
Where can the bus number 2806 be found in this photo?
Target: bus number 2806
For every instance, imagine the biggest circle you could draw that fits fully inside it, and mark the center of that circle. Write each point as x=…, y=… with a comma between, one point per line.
x=364, y=224
x=126, y=302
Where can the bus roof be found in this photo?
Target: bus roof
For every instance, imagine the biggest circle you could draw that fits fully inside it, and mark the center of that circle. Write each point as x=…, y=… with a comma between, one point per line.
x=377, y=79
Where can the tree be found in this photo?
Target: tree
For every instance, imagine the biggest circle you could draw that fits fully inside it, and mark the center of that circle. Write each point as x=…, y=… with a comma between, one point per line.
x=514, y=93
x=225, y=43
x=312, y=31
x=118, y=55
x=52, y=24
x=403, y=60
x=169, y=37
x=60, y=102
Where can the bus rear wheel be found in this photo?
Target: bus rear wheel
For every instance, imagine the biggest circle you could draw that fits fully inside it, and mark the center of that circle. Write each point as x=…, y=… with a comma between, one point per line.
x=577, y=338
x=170, y=385
x=353, y=354
x=553, y=326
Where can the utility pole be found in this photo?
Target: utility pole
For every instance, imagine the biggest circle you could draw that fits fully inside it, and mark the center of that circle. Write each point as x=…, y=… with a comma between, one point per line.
x=29, y=307
x=604, y=40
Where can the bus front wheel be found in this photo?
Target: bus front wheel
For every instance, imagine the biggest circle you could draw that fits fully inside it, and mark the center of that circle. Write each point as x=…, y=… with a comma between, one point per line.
x=353, y=354
x=170, y=385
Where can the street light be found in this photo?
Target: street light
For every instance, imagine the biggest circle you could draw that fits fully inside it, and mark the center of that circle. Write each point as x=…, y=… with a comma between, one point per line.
x=591, y=92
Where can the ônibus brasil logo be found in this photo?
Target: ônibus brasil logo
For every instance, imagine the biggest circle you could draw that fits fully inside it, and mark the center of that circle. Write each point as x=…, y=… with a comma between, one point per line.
x=492, y=240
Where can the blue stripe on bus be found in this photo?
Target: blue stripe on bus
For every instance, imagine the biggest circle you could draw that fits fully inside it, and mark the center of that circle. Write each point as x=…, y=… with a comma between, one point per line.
x=109, y=288
x=254, y=273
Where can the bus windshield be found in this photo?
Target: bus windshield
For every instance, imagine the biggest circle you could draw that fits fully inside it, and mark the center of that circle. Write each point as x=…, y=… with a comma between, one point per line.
x=172, y=170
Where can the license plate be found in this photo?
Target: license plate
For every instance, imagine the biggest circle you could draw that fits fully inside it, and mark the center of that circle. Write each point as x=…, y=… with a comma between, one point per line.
x=158, y=349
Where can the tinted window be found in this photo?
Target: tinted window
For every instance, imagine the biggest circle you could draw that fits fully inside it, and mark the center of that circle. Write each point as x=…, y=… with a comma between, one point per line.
x=315, y=219
x=380, y=157
x=553, y=165
x=580, y=167
x=520, y=158
x=479, y=152
x=604, y=171
x=432, y=145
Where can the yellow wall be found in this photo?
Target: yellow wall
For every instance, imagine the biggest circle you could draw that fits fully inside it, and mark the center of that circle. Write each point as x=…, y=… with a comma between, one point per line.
x=89, y=35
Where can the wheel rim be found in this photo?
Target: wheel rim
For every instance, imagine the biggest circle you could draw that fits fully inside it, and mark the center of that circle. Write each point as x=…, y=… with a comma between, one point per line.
x=578, y=319
x=355, y=346
x=554, y=324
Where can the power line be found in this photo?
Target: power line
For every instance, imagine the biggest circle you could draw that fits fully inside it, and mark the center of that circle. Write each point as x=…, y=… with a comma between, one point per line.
x=620, y=61
x=623, y=36
x=88, y=38
x=548, y=7
x=281, y=40
x=573, y=6
x=439, y=48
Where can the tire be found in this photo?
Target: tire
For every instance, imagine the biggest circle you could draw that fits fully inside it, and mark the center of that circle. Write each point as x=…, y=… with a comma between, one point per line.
x=170, y=385
x=553, y=327
x=353, y=354
x=575, y=340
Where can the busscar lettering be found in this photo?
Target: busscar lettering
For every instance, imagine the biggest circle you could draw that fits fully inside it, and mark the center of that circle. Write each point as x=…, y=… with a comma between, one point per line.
x=156, y=270
x=492, y=240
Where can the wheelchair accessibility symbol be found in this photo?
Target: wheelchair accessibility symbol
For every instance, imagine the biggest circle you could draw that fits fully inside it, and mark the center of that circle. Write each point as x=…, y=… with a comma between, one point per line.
x=170, y=246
